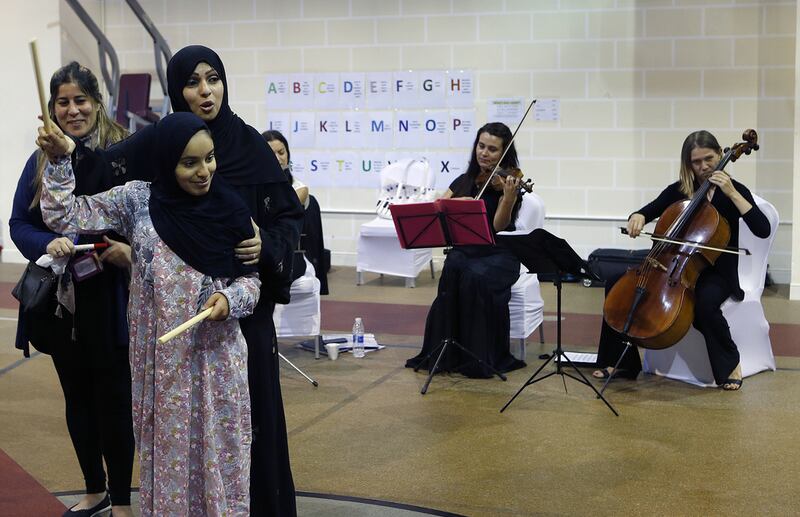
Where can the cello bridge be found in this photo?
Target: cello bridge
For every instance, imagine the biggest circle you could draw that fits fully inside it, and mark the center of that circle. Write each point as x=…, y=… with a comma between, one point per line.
x=656, y=264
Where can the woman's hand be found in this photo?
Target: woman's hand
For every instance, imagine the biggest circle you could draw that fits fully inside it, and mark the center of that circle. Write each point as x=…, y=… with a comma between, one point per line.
x=510, y=187
x=722, y=180
x=117, y=254
x=219, y=307
x=60, y=247
x=249, y=251
x=635, y=225
x=53, y=143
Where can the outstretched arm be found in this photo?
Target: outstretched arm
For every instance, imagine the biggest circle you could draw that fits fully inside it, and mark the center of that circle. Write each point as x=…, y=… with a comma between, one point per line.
x=63, y=212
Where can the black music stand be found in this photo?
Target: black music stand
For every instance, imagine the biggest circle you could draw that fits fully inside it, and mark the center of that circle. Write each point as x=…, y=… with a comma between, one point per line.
x=542, y=252
x=437, y=224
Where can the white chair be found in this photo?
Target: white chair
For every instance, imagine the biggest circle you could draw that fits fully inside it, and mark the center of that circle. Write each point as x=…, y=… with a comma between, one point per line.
x=302, y=315
x=687, y=360
x=526, y=307
x=378, y=249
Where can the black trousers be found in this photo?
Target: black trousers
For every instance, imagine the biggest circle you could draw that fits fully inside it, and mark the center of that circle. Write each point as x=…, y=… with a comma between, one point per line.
x=98, y=411
x=710, y=292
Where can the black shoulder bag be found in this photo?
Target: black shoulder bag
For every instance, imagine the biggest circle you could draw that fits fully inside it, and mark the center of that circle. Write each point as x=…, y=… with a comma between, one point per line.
x=36, y=293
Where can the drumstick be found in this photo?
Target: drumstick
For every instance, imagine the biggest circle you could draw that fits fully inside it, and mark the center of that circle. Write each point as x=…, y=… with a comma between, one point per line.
x=87, y=247
x=185, y=326
x=40, y=86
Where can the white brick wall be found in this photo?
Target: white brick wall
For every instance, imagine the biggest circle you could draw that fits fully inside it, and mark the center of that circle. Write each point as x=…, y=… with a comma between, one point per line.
x=633, y=79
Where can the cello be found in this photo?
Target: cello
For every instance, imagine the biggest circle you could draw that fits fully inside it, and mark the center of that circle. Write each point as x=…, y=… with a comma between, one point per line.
x=653, y=304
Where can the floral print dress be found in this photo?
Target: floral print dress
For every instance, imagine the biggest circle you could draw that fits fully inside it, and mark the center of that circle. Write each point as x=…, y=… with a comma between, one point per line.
x=191, y=406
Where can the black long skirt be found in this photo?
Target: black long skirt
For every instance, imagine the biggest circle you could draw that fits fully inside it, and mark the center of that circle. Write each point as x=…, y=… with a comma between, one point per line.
x=271, y=485
x=472, y=308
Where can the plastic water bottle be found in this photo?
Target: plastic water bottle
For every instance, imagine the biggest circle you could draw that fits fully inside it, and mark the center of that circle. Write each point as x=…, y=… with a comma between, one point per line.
x=358, y=338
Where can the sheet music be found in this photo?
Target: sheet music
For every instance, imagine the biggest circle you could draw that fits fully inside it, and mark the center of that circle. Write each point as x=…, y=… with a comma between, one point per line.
x=580, y=357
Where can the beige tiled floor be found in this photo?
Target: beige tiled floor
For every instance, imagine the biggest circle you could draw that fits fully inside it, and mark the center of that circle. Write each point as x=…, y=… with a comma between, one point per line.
x=367, y=432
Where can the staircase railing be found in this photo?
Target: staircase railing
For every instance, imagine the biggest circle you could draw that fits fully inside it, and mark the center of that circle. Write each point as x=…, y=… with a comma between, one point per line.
x=105, y=50
x=160, y=48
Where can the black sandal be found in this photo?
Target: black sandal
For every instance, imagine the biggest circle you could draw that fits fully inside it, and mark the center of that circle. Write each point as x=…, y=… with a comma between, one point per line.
x=619, y=372
x=729, y=384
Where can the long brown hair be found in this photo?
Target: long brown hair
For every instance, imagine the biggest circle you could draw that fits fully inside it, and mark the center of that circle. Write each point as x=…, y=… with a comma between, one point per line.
x=699, y=139
x=105, y=131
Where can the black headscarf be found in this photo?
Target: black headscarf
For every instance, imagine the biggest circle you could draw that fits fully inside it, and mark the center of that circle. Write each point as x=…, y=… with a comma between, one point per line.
x=201, y=230
x=242, y=156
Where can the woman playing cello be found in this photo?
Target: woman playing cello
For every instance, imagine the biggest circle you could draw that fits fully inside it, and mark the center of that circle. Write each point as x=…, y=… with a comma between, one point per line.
x=699, y=158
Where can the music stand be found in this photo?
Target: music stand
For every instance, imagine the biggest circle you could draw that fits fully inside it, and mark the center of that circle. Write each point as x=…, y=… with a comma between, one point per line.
x=542, y=252
x=445, y=222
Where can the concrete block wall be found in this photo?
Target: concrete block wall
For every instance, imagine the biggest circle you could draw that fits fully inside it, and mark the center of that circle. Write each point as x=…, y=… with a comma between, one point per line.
x=633, y=79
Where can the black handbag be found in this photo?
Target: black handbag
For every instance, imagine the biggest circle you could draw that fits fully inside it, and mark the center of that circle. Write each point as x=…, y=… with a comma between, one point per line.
x=36, y=289
x=36, y=293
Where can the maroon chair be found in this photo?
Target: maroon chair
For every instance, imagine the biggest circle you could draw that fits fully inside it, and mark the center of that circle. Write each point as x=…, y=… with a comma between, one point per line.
x=133, y=101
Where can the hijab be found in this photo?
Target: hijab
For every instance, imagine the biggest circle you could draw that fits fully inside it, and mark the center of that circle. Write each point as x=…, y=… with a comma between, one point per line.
x=242, y=156
x=201, y=230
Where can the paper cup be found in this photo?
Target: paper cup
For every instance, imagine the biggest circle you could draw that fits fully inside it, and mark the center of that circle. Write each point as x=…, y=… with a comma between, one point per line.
x=333, y=350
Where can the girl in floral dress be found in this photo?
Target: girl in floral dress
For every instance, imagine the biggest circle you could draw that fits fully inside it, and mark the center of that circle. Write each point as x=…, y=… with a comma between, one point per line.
x=191, y=410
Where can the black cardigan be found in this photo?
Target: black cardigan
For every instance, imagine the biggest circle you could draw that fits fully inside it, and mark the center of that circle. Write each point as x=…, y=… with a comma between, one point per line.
x=727, y=264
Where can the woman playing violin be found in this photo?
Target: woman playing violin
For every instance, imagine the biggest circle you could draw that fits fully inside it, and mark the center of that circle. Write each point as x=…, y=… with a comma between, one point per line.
x=471, y=306
x=699, y=158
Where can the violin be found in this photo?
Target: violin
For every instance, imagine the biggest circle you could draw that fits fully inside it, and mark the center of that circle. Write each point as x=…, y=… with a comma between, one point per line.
x=653, y=305
x=525, y=186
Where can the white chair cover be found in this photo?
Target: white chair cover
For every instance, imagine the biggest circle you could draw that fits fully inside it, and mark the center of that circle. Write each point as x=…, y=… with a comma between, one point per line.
x=379, y=251
x=526, y=307
x=405, y=181
x=300, y=317
x=378, y=248
x=688, y=360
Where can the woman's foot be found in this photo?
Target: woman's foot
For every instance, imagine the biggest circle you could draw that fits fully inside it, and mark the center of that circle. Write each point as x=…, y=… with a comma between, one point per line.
x=89, y=506
x=605, y=373
x=734, y=380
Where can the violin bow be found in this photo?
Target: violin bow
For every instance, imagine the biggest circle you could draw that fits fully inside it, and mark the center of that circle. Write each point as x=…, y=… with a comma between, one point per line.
x=693, y=244
x=513, y=136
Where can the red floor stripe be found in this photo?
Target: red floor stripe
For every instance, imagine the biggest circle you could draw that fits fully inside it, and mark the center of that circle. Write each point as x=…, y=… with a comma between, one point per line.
x=578, y=330
x=21, y=495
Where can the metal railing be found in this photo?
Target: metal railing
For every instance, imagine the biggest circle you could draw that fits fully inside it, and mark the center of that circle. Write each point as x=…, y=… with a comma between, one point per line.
x=105, y=50
x=160, y=49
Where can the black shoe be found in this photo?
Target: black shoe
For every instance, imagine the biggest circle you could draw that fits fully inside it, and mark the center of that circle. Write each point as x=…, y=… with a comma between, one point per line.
x=97, y=509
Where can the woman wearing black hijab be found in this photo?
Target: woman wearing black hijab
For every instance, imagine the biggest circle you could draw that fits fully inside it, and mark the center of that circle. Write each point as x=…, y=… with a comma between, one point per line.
x=252, y=169
x=191, y=408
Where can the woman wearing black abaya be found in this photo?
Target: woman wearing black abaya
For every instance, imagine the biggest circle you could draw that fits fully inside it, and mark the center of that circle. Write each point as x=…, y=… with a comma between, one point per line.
x=197, y=83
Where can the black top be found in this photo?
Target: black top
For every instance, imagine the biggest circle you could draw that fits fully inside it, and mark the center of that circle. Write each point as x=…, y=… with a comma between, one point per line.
x=465, y=186
x=101, y=301
x=727, y=263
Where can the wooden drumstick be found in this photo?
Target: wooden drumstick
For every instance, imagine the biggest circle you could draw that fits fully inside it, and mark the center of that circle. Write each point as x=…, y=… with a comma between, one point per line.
x=40, y=85
x=183, y=327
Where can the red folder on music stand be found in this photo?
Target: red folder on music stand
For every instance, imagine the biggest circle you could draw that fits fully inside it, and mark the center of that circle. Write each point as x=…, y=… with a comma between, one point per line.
x=444, y=222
